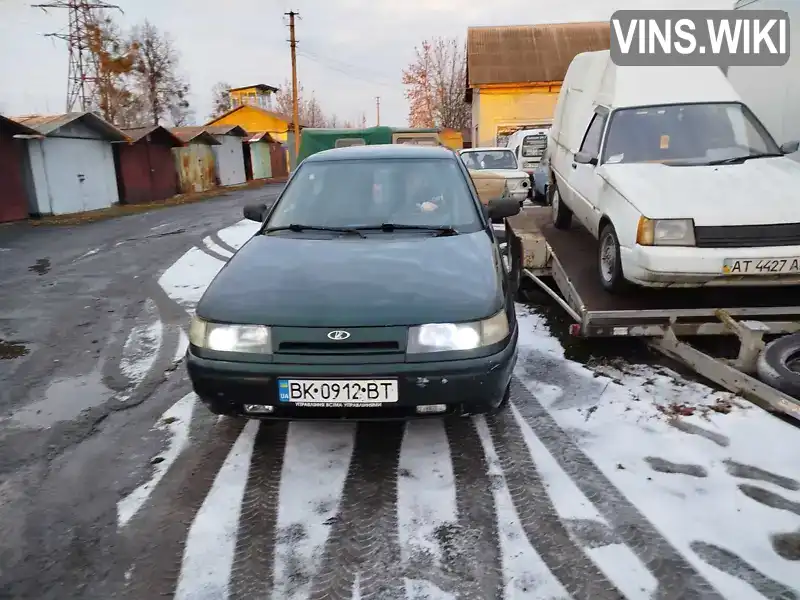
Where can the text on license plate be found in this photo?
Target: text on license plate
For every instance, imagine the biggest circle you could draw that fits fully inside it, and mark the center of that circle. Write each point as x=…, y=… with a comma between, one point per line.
x=760, y=266
x=336, y=392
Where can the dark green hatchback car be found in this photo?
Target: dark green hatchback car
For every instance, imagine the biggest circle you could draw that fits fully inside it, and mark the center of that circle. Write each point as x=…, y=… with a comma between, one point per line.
x=374, y=289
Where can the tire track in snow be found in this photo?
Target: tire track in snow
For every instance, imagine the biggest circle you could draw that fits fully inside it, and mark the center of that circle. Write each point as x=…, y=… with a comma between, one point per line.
x=364, y=538
x=253, y=562
x=208, y=558
x=218, y=241
x=674, y=573
x=156, y=537
x=315, y=466
x=540, y=521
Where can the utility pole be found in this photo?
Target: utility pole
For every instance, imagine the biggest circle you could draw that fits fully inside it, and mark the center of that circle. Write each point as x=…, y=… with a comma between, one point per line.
x=295, y=109
x=378, y=109
x=82, y=73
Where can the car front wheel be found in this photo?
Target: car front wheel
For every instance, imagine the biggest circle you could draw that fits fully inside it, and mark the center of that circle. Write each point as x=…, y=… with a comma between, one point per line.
x=609, y=262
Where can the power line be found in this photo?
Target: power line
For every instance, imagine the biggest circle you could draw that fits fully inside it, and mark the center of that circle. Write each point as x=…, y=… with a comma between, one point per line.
x=333, y=67
x=82, y=72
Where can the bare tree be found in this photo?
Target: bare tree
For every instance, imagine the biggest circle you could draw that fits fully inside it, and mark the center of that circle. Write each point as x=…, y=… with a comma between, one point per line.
x=309, y=110
x=115, y=58
x=435, y=85
x=220, y=99
x=312, y=113
x=163, y=92
x=333, y=122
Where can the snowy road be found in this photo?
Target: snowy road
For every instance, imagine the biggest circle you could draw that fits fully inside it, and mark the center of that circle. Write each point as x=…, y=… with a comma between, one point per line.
x=591, y=486
x=587, y=488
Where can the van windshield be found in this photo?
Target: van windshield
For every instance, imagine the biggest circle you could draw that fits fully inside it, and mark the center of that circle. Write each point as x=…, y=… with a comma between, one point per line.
x=690, y=134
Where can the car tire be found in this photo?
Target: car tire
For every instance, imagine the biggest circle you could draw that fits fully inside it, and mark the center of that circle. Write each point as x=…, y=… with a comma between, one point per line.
x=562, y=215
x=774, y=366
x=503, y=403
x=609, y=262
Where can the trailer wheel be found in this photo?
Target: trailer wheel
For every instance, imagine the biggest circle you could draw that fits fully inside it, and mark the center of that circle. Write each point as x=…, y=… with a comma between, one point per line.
x=562, y=215
x=779, y=364
x=609, y=262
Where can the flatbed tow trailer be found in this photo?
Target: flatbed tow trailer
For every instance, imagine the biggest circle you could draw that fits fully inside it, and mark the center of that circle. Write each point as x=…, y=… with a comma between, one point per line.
x=539, y=251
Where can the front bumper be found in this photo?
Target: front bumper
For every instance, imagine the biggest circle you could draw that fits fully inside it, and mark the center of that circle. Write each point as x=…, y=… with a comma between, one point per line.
x=696, y=267
x=468, y=386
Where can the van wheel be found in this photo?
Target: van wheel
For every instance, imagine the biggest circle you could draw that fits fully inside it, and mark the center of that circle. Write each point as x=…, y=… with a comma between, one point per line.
x=609, y=262
x=562, y=215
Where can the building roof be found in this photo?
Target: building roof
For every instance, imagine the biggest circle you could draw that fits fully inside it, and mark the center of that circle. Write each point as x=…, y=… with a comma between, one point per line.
x=262, y=87
x=194, y=135
x=15, y=128
x=261, y=136
x=382, y=151
x=136, y=134
x=49, y=125
x=236, y=130
x=529, y=53
x=285, y=118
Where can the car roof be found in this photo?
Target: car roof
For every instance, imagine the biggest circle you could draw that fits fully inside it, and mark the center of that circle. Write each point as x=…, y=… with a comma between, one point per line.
x=486, y=149
x=382, y=151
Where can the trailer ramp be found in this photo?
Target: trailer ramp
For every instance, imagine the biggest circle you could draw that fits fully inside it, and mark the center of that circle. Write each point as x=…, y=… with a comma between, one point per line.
x=563, y=265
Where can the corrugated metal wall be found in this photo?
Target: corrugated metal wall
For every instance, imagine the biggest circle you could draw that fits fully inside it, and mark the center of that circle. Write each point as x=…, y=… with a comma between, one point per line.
x=278, y=160
x=262, y=161
x=13, y=199
x=196, y=169
x=147, y=172
x=229, y=160
x=72, y=175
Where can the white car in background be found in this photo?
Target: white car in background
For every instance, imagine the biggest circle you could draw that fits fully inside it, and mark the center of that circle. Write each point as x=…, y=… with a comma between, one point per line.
x=502, y=162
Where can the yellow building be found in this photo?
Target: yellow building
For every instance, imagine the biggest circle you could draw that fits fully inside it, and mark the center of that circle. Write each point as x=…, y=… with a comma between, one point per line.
x=514, y=74
x=252, y=109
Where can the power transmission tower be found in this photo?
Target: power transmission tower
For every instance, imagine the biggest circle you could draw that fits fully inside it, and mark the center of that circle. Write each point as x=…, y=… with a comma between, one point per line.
x=295, y=109
x=83, y=68
x=378, y=108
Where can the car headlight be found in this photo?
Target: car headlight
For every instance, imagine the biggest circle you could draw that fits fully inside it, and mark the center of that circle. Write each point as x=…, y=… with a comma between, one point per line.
x=224, y=337
x=665, y=232
x=449, y=337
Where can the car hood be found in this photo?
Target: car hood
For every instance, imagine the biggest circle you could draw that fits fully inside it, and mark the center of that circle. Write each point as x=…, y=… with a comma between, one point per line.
x=384, y=280
x=756, y=192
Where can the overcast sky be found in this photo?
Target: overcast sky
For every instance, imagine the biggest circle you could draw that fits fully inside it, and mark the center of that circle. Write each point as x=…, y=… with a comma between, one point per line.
x=350, y=51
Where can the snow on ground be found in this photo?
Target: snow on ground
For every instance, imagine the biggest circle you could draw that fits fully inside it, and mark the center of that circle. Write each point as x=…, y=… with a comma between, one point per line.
x=719, y=484
x=187, y=279
x=141, y=348
x=236, y=235
x=214, y=247
x=176, y=422
x=210, y=545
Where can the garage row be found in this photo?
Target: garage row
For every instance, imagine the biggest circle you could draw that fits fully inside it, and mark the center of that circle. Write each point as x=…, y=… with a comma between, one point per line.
x=77, y=162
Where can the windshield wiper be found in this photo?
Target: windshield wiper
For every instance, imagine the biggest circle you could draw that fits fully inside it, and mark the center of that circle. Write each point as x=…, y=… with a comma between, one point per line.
x=298, y=228
x=442, y=230
x=740, y=159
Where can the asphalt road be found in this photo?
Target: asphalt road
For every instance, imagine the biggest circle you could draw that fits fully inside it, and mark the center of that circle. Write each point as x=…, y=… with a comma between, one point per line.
x=114, y=484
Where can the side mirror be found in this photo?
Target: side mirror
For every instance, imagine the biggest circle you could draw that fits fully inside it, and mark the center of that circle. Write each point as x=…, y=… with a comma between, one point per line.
x=255, y=212
x=584, y=158
x=790, y=147
x=502, y=208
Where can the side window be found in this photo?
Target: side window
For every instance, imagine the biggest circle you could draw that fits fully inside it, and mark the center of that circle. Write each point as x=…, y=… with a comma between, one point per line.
x=591, y=141
x=344, y=142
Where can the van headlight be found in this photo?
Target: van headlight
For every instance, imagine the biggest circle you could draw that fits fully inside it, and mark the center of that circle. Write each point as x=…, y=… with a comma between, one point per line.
x=223, y=337
x=665, y=232
x=449, y=337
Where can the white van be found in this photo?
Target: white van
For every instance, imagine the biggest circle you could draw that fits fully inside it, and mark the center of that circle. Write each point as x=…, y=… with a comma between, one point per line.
x=677, y=178
x=773, y=93
x=529, y=146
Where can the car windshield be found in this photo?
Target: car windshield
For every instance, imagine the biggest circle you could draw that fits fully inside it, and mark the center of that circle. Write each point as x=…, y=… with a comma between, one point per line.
x=692, y=134
x=369, y=193
x=490, y=159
